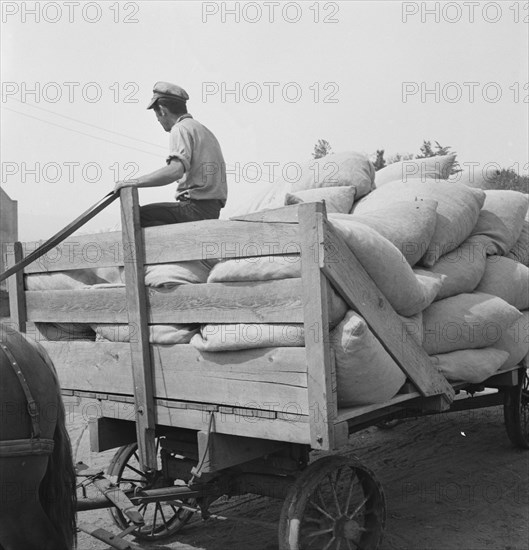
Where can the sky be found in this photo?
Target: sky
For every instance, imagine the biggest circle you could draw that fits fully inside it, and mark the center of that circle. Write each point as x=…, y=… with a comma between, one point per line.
x=269, y=79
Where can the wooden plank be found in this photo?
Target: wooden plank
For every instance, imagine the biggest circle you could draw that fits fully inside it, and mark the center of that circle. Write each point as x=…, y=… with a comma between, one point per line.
x=17, y=296
x=81, y=252
x=211, y=239
x=321, y=386
x=262, y=428
x=270, y=379
x=254, y=302
x=360, y=292
x=348, y=413
x=137, y=318
x=285, y=214
x=220, y=451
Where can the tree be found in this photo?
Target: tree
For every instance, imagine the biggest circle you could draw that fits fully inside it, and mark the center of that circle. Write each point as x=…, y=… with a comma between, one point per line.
x=321, y=149
x=507, y=178
x=380, y=161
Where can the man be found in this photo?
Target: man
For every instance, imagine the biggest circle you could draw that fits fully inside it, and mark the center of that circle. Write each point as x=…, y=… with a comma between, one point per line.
x=195, y=161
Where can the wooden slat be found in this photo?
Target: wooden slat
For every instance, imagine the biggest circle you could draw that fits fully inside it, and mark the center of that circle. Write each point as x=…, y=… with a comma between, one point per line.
x=211, y=239
x=264, y=428
x=321, y=393
x=360, y=292
x=263, y=302
x=137, y=317
x=17, y=297
x=80, y=252
x=271, y=379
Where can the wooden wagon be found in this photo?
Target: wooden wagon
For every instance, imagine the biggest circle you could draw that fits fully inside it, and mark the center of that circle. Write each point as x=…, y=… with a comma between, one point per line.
x=194, y=426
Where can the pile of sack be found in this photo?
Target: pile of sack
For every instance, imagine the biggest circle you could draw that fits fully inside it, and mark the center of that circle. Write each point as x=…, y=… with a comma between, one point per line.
x=452, y=260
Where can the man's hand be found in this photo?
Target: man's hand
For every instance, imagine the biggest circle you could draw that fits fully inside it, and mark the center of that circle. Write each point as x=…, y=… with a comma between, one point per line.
x=124, y=183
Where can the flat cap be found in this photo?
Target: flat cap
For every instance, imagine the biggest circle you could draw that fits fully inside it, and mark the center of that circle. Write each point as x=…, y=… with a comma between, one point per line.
x=168, y=91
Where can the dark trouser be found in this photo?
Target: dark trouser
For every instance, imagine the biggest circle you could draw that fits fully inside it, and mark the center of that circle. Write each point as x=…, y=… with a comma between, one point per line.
x=163, y=213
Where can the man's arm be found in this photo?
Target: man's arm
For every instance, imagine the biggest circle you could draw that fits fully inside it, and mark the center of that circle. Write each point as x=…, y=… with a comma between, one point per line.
x=164, y=176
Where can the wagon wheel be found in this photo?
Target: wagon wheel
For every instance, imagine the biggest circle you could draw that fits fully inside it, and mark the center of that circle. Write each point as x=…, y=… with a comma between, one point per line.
x=162, y=519
x=335, y=504
x=516, y=411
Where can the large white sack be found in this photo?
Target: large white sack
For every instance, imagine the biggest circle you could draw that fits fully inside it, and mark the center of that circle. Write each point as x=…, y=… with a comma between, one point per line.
x=520, y=249
x=507, y=279
x=179, y=273
x=407, y=293
x=458, y=208
x=473, y=176
x=158, y=334
x=515, y=341
x=409, y=225
x=412, y=328
x=266, y=268
x=470, y=365
x=258, y=268
x=246, y=197
x=337, y=199
x=62, y=280
x=435, y=168
x=348, y=169
x=502, y=218
x=365, y=372
x=466, y=321
x=228, y=337
x=462, y=268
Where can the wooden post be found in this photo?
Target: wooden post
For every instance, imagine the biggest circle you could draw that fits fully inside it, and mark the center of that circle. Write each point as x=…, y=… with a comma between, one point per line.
x=134, y=255
x=323, y=408
x=17, y=297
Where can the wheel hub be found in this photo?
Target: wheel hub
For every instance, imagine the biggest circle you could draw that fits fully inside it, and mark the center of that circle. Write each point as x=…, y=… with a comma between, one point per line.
x=346, y=528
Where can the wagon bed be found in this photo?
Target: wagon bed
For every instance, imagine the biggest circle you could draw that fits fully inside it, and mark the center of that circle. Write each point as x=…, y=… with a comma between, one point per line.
x=230, y=408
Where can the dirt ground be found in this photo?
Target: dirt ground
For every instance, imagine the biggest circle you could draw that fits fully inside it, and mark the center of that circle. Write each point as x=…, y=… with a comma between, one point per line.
x=451, y=481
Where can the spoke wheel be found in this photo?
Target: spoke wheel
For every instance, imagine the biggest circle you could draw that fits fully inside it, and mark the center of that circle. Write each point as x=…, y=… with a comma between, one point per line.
x=516, y=412
x=335, y=504
x=162, y=519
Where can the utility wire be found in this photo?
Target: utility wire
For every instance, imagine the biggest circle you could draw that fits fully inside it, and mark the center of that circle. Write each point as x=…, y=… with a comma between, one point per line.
x=232, y=166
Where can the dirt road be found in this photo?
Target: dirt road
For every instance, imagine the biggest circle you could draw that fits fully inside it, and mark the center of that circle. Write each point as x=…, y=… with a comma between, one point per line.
x=451, y=482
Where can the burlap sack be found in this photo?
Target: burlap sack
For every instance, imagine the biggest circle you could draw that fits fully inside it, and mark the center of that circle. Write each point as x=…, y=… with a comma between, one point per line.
x=228, y=337
x=502, y=218
x=365, y=373
x=507, y=279
x=462, y=268
x=435, y=168
x=179, y=273
x=457, y=210
x=520, y=250
x=337, y=199
x=408, y=225
x=467, y=321
x=407, y=293
x=515, y=341
x=158, y=334
x=348, y=169
x=470, y=365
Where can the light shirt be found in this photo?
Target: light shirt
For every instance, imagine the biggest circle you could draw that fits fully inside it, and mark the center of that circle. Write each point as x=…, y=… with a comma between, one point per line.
x=199, y=151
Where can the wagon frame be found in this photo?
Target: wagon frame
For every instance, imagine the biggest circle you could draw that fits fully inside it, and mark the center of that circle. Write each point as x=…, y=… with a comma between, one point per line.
x=233, y=422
